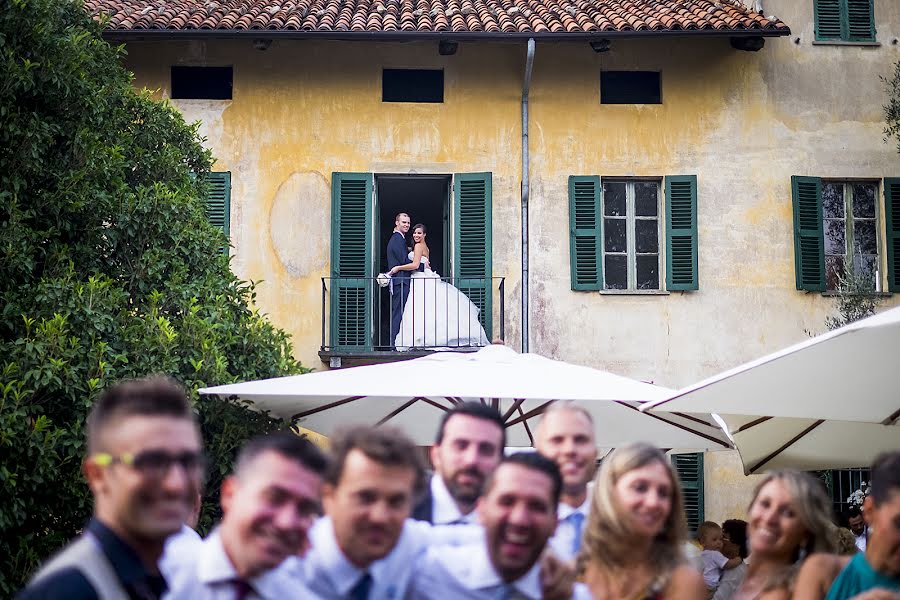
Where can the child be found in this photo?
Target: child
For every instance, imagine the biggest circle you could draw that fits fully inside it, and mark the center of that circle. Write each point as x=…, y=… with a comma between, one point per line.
x=709, y=535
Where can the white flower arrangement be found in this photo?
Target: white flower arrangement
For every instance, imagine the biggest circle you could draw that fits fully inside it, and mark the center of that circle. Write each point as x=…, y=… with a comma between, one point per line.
x=859, y=496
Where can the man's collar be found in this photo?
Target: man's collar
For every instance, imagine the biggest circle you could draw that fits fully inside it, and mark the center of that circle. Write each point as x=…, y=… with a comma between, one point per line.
x=564, y=510
x=478, y=573
x=338, y=568
x=123, y=558
x=214, y=566
x=444, y=508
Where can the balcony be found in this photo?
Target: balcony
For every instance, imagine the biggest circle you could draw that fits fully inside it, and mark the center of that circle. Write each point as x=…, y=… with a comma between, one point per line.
x=357, y=313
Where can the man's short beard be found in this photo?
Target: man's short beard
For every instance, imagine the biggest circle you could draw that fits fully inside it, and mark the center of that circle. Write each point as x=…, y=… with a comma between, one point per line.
x=458, y=493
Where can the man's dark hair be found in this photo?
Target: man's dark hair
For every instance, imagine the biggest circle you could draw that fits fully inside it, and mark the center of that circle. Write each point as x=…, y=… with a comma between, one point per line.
x=536, y=462
x=885, y=476
x=479, y=410
x=387, y=446
x=736, y=530
x=151, y=397
x=853, y=512
x=288, y=444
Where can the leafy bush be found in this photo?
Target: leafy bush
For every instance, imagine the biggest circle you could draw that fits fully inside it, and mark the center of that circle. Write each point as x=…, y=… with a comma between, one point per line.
x=108, y=270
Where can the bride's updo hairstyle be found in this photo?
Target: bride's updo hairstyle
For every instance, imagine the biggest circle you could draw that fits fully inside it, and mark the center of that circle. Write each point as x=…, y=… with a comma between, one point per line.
x=420, y=226
x=608, y=538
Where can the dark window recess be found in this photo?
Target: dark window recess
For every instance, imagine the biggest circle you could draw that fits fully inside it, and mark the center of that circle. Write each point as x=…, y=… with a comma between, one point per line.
x=630, y=87
x=201, y=83
x=412, y=85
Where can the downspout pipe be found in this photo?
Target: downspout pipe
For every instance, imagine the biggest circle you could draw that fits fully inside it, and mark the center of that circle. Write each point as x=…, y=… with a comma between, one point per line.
x=526, y=88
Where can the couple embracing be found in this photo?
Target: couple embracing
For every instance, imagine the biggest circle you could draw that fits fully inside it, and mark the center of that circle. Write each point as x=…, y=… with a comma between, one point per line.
x=426, y=312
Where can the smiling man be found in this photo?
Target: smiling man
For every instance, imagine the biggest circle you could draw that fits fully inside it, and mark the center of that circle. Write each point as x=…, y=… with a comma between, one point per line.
x=566, y=436
x=269, y=504
x=518, y=511
x=144, y=468
x=468, y=447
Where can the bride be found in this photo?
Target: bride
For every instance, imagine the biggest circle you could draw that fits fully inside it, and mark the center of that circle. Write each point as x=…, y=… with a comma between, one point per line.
x=436, y=313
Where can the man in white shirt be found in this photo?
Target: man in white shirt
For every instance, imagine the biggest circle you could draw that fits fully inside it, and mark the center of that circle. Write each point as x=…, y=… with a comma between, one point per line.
x=566, y=436
x=468, y=447
x=364, y=549
x=858, y=527
x=518, y=511
x=269, y=504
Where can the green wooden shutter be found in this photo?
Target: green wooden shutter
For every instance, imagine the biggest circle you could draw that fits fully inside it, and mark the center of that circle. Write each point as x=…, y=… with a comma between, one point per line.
x=584, y=233
x=218, y=203
x=472, y=246
x=828, y=19
x=351, y=261
x=809, y=241
x=690, y=474
x=681, y=233
x=892, y=228
x=860, y=21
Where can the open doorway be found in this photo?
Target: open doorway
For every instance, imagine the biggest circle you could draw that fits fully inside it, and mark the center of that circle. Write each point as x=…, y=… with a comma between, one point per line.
x=426, y=198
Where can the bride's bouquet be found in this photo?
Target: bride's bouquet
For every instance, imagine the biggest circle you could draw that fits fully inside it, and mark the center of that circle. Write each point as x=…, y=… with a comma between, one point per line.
x=383, y=279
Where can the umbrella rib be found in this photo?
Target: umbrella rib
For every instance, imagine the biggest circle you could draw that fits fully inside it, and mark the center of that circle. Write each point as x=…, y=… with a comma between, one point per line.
x=495, y=403
x=313, y=411
x=527, y=429
x=397, y=411
x=518, y=402
x=694, y=419
x=752, y=424
x=451, y=400
x=890, y=420
x=787, y=445
x=531, y=413
x=678, y=425
x=435, y=404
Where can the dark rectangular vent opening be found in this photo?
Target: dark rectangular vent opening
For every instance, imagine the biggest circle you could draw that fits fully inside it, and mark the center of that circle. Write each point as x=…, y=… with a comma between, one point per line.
x=630, y=87
x=201, y=83
x=412, y=85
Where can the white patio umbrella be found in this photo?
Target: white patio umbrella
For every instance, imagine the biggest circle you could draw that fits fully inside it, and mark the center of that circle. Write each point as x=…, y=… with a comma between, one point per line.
x=826, y=403
x=414, y=394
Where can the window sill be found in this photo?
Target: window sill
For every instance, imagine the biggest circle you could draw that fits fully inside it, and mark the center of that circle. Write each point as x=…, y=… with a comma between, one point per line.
x=861, y=294
x=844, y=43
x=633, y=293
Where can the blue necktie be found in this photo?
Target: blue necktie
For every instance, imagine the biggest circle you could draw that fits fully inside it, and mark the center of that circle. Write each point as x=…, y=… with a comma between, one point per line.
x=360, y=591
x=504, y=593
x=577, y=521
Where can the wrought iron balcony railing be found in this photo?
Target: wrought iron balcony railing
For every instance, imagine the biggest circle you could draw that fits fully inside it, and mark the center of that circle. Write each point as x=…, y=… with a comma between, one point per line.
x=439, y=312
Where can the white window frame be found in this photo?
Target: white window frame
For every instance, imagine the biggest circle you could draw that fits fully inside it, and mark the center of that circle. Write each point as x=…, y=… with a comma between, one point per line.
x=849, y=227
x=630, y=234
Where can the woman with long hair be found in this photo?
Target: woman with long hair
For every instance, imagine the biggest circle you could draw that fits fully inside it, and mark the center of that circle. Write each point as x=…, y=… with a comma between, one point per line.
x=636, y=530
x=788, y=519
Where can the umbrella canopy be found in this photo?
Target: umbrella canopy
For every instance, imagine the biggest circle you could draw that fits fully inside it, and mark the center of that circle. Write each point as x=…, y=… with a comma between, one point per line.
x=825, y=403
x=414, y=394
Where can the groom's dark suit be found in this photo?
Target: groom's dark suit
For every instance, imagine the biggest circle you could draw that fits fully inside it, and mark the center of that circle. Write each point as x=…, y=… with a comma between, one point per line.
x=397, y=254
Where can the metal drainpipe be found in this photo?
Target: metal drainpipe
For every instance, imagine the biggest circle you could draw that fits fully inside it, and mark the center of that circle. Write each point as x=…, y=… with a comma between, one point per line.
x=529, y=63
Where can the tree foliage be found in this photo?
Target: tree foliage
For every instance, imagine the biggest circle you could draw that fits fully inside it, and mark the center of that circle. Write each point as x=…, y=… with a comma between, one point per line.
x=108, y=270
x=892, y=108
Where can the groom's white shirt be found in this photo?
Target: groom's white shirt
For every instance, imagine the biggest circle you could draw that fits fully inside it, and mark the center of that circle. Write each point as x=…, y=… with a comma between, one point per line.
x=444, y=510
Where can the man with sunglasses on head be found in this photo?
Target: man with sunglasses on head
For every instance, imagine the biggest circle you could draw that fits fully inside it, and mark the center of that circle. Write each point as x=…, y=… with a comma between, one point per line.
x=144, y=468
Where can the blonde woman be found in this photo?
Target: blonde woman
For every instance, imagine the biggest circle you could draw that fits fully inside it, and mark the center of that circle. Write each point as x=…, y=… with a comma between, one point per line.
x=633, y=542
x=788, y=519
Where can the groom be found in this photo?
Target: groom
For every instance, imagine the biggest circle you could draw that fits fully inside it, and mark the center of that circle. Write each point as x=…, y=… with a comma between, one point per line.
x=397, y=254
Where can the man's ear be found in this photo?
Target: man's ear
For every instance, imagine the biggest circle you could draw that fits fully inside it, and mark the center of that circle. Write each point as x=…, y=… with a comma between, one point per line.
x=94, y=474
x=230, y=486
x=328, y=498
x=435, y=456
x=868, y=509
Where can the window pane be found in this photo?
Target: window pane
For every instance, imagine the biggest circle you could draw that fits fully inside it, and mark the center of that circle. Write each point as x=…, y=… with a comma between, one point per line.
x=648, y=272
x=646, y=238
x=614, y=235
x=864, y=200
x=835, y=237
x=615, y=271
x=645, y=199
x=864, y=241
x=833, y=200
x=864, y=268
x=614, y=199
x=834, y=271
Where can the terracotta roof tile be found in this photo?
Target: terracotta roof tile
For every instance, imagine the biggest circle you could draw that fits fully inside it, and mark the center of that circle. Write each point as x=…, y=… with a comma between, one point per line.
x=458, y=16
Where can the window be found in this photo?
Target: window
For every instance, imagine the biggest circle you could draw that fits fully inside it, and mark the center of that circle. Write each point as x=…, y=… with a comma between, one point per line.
x=201, y=83
x=845, y=20
x=616, y=233
x=850, y=228
x=631, y=235
x=690, y=473
x=218, y=203
x=412, y=85
x=630, y=87
x=838, y=231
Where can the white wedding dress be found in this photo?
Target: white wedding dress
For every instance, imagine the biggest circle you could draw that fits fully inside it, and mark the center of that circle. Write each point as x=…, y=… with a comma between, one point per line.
x=437, y=315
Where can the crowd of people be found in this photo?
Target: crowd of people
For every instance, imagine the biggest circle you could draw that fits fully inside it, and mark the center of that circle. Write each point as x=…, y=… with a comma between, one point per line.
x=363, y=521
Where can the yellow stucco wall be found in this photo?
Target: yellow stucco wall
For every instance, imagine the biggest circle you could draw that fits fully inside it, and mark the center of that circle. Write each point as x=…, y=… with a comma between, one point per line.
x=743, y=122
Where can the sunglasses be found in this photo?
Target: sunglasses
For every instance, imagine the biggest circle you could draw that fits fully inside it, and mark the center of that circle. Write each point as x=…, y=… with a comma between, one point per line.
x=155, y=463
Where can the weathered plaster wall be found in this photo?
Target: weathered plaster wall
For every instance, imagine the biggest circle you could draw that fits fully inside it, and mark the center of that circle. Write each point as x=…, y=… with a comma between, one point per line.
x=742, y=122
